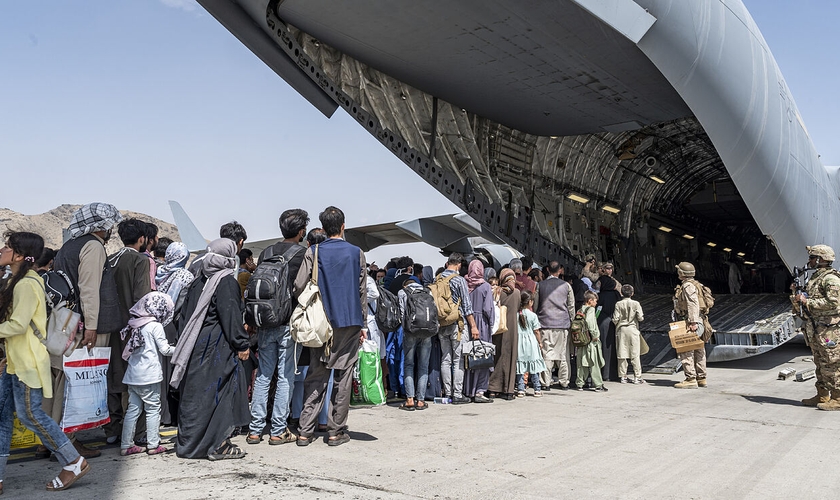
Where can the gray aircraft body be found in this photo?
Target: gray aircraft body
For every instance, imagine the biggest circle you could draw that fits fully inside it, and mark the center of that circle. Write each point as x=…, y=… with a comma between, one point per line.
x=644, y=131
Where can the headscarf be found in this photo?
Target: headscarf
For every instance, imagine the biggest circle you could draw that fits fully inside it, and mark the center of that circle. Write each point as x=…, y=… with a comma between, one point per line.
x=93, y=217
x=173, y=270
x=219, y=262
x=475, y=274
x=507, y=279
x=390, y=274
x=489, y=273
x=428, y=276
x=154, y=306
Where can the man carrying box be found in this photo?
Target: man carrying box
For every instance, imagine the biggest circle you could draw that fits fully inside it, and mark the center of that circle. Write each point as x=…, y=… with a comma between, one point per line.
x=687, y=308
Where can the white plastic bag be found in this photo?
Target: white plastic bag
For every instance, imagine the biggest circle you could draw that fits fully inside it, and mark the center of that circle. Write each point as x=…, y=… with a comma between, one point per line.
x=86, y=389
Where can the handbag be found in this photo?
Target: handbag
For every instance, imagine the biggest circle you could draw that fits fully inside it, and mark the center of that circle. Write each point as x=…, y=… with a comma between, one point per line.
x=500, y=321
x=86, y=389
x=62, y=326
x=309, y=324
x=479, y=357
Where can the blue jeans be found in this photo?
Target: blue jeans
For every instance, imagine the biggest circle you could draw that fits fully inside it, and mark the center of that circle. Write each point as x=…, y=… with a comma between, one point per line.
x=423, y=346
x=394, y=353
x=27, y=404
x=534, y=378
x=277, y=351
x=142, y=397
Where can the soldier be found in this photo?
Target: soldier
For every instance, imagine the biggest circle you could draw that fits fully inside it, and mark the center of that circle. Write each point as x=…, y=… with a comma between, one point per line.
x=821, y=302
x=687, y=306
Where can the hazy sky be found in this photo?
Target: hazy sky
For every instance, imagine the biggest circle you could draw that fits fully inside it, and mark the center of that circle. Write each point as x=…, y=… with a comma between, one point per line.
x=138, y=102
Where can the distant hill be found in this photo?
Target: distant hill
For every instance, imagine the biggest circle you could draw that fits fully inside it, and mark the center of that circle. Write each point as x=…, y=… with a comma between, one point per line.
x=50, y=224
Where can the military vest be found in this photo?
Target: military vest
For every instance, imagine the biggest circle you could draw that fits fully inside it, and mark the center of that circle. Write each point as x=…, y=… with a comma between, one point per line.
x=819, y=287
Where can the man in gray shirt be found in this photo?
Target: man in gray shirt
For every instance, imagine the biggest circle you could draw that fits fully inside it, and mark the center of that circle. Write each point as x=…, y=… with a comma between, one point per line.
x=555, y=309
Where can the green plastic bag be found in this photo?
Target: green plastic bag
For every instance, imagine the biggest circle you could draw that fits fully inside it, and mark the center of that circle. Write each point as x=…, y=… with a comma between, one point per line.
x=368, y=388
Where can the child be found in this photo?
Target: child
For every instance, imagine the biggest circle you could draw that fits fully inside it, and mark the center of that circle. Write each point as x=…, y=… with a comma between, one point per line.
x=590, y=359
x=144, y=338
x=27, y=379
x=529, y=359
x=627, y=315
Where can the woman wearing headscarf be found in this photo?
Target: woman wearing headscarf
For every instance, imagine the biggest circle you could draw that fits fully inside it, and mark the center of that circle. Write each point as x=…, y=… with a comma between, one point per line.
x=207, y=366
x=173, y=279
x=481, y=296
x=503, y=378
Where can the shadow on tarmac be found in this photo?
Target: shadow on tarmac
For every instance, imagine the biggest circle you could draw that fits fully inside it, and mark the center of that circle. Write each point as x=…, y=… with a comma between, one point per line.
x=781, y=355
x=771, y=400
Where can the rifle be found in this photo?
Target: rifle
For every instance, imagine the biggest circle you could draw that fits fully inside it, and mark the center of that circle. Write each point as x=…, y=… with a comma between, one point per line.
x=800, y=282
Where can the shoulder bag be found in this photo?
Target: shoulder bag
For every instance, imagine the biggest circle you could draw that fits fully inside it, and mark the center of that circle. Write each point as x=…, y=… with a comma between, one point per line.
x=309, y=324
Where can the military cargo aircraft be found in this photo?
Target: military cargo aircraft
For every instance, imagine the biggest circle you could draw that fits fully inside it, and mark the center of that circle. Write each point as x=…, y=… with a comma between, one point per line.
x=646, y=132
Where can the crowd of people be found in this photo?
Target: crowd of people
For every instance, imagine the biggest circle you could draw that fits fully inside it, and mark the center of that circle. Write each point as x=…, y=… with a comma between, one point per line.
x=187, y=349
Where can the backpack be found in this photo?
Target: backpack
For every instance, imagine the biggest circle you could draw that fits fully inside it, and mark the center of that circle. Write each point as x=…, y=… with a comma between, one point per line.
x=58, y=288
x=448, y=313
x=62, y=321
x=705, y=298
x=421, y=316
x=387, y=311
x=268, y=294
x=579, y=330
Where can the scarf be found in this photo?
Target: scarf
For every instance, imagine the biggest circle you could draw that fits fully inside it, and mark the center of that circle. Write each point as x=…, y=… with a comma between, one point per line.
x=173, y=269
x=475, y=274
x=218, y=262
x=507, y=279
x=154, y=306
x=428, y=276
x=93, y=217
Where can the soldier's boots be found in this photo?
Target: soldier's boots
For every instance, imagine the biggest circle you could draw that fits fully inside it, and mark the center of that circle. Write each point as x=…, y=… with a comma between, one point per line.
x=688, y=383
x=701, y=382
x=823, y=396
x=833, y=404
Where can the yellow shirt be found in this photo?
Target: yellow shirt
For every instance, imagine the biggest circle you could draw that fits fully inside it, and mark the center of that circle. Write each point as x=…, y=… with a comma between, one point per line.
x=26, y=356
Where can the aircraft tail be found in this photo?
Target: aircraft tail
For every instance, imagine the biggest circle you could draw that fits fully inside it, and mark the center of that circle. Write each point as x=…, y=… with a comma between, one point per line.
x=190, y=234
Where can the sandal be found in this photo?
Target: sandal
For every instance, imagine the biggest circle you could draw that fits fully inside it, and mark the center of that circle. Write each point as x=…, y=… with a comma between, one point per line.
x=227, y=451
x=305, y=441
x=253, y=439
x=79, y=469
x=287, y=437
x=420, y=405
x=158, y=450
x=338, y=440
x=406, y=407
x=131, y=451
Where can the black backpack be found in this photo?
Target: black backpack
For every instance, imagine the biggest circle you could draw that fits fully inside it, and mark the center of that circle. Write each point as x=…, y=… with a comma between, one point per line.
x=268, y=294
x=59, y=288
x=421, y=313
x=387, y=311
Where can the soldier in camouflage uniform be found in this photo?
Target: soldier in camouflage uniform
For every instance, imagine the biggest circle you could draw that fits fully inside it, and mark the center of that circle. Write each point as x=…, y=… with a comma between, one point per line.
x=821, y=304
x=687, y=308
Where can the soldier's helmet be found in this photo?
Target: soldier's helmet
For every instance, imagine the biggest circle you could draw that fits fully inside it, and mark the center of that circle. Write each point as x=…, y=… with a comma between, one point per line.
x=685, y=269
x=824, y=252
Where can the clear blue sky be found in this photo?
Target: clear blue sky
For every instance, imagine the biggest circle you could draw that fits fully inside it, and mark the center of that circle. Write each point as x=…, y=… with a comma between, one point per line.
x=141, y=101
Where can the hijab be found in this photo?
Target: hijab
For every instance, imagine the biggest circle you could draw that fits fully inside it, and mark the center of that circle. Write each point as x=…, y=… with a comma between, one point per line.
x=174, y=268
x=428, y=276
x=219, y=262
x=507, y=279
x=154, y=306
x=475, y=274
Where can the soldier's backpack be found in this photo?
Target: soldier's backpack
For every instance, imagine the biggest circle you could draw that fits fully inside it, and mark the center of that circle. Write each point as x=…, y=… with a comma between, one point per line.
x=387, y=311
x=705, y=298
x=421, y=315
x=268, y=294
x=579, y=330
x=447, y=308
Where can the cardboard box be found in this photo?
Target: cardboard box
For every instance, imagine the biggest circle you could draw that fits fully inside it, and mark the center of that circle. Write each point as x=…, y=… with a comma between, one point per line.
x=682, y=340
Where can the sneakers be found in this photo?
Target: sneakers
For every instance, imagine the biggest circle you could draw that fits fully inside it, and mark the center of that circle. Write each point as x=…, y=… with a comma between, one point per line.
x=623, y=380
x=537, y=394
x=482, y=399
x=580, y=388
x=601, y=389
x=686, y=384
x=642, y=381
x=520, y=394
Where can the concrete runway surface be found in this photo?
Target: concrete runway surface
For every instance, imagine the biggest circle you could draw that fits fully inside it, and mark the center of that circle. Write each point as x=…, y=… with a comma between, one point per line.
x=746, y=436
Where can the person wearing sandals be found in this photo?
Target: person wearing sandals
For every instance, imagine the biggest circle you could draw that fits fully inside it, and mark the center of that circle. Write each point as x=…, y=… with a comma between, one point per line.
x=26, y=380
x=627, y=316
x=414, y=366
x=207, y=364
x=145, y=338
x=529, y=353
x=590, y=359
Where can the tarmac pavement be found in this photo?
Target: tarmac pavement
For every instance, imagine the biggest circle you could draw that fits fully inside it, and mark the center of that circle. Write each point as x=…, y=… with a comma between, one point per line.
x=745, y=436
